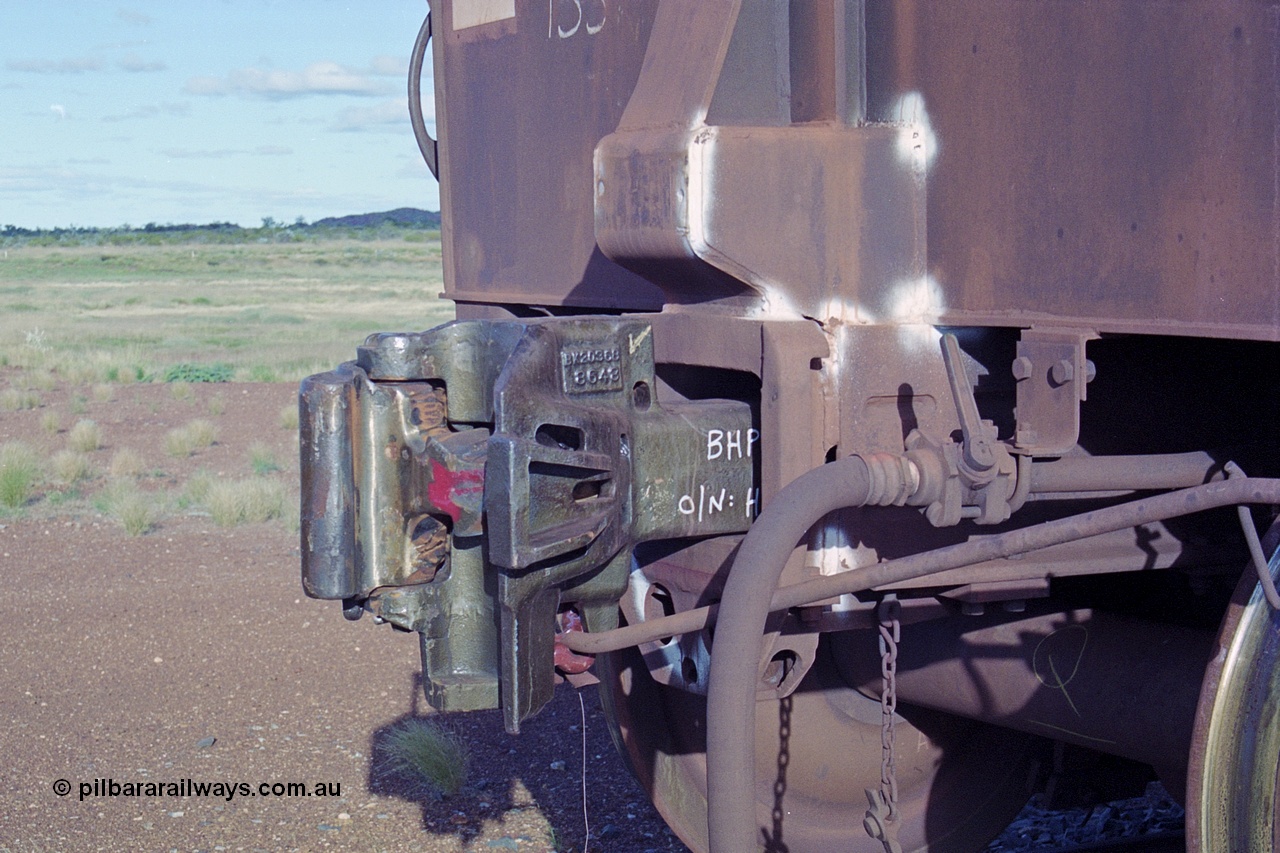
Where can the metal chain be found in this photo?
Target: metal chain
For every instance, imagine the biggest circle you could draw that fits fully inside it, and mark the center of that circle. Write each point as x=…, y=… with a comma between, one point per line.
x=882, y=820
x=890, y=635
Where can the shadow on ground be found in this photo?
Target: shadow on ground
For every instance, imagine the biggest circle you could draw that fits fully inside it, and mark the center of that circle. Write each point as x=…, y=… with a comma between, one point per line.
x=527, y=789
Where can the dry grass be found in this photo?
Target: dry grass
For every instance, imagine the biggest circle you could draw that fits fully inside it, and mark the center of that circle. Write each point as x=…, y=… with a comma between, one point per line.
x=81, y=373
x=40, y=380
x=262, y=459
x=181, y=391
x=17, y=399
x=136, y=511
x=286, y=309
x=217, y=405
x=186, y=440
x=232, y=502
x=289, y=417
x=19, y=471
x=126, y=463
x=84, y=437
x=197, y=488
x=69, y=467
x=104, y=393
x=51, y=423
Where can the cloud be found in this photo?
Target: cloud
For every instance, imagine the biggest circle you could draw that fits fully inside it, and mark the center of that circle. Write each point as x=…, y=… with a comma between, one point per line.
x=318, y=78
x=132, y=16
x=200, y=153
x=223, y=153
x=135, y=63
x=178, y=108
x=380, y=116
x=59, y=110
x=389, y=66
x=74, y=65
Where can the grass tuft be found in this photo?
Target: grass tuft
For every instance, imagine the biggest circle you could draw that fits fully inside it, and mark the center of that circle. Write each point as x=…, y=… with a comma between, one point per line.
x=40, y=380
x=289, y=417
x=186, y=440
x=181, y=391
x=104, y=393
x=233, y=502
x=70, y=467
x=126, y=463
x=133, y=509
x=262, y=460
x=19, y=470
x=196, y=490
x=51, y=423
x=217, y=405
x=15, y=400
x=84, y=437
x=438, y=757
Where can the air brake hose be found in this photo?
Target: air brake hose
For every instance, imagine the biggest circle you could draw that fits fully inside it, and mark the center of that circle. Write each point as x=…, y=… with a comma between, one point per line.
x=750, y=594
x=731, y=700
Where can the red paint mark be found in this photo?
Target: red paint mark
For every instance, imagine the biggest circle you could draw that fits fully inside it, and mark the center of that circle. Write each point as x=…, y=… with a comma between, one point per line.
x=447, y=485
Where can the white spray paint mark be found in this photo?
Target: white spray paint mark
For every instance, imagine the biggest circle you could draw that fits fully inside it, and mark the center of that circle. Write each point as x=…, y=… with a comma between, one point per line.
x=917, y=143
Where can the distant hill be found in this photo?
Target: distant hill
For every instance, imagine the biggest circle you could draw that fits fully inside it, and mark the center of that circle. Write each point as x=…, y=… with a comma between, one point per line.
x=399, y=216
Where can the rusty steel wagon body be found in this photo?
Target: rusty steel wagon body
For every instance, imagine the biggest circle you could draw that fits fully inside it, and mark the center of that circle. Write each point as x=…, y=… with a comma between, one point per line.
x=879, y=398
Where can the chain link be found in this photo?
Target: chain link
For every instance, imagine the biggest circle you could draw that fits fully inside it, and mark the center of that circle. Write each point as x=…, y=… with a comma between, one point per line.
x=882, y=820
x=890, y=635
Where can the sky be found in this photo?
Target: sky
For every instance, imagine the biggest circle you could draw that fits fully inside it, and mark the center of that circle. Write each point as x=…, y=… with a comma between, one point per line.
x=210, y=111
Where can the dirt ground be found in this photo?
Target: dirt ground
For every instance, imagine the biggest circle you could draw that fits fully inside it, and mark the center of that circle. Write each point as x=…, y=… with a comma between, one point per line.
x=190, y=653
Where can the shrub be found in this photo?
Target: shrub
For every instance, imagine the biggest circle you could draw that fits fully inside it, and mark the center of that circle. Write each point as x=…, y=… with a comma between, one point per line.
x=216, y=372
x=19, y=470
x=84, y=437
x=438, y=757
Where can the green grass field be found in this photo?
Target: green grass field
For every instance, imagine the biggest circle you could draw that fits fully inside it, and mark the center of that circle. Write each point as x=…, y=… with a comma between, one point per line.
x=270, y=311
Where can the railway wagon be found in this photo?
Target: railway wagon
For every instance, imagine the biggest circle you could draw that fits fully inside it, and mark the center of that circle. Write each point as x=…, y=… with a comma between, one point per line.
x=878, y=398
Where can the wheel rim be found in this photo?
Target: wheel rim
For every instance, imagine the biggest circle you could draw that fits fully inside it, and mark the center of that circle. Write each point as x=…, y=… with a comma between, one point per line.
x=960, y=782
x=1233, y=788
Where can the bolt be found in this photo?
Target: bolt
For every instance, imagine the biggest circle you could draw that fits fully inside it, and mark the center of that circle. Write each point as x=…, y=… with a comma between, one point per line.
x=1062, y=372
x=1090, y=371
x=1022, y=368
x=972, y=608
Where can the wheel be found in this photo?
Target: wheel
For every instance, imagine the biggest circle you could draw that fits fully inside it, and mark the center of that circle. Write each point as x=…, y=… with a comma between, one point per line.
x=818, y=752
x=1233, y=786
